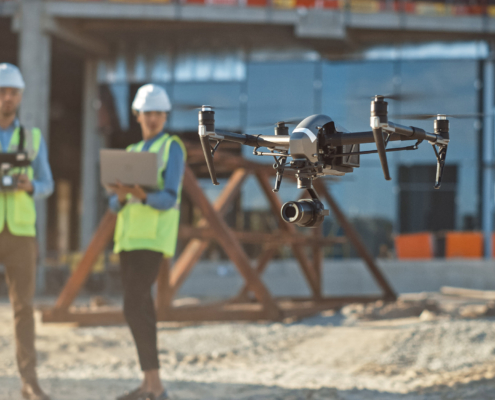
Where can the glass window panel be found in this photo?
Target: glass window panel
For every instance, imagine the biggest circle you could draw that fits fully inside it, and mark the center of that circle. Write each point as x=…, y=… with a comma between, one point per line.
x=276, y=91
x=120, y=93
x=189, y=95
x=184, y=67
x=140, y=68
x=161, y=70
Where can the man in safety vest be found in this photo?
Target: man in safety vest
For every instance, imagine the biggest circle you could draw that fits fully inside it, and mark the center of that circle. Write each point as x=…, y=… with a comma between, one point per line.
x=146, y=232
x=18, y=248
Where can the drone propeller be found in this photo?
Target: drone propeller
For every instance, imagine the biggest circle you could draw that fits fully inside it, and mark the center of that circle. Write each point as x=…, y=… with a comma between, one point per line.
x=290, y=121
x=396, y=96
x=401, y=96
x=192, y=107
x=435, y=116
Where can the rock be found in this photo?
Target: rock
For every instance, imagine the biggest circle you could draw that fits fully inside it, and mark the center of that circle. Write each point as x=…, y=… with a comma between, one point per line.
x=98, y=301
x=473, y=310
x=427, y=315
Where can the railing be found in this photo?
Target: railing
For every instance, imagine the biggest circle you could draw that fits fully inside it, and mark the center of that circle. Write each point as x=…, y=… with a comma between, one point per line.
x=427, y=8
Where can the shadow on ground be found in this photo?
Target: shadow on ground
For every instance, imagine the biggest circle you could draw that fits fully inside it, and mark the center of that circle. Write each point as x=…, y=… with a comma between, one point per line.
x=108, y=389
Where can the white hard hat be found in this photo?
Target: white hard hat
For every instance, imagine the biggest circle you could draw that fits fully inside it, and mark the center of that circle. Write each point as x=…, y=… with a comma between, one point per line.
x=10, y=76
x=151, y=97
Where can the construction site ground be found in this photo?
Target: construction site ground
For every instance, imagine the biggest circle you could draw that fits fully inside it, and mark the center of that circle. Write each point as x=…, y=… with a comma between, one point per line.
x=425, y=346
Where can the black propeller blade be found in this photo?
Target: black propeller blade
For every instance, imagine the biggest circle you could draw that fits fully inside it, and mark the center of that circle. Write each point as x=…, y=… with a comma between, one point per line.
x=434, y=116
x=192, y=107
x=393, y=96
x=401, y=96
x=290, y=121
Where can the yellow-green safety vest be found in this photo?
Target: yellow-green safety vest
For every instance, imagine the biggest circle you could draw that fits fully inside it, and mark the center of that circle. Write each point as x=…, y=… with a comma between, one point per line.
x=17, y=208
x=141, y=227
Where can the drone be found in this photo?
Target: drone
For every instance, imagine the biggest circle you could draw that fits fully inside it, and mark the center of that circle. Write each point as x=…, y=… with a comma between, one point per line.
x=317, y=147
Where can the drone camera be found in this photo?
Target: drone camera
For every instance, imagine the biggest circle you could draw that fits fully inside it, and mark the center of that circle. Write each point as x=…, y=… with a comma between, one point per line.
x=307, y=213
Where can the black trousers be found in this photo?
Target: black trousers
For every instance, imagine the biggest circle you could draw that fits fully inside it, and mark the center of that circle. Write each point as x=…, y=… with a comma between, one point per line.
x=139, y=272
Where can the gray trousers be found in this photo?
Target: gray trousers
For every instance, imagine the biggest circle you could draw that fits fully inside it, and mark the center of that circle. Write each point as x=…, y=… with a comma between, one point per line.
x=18, y=255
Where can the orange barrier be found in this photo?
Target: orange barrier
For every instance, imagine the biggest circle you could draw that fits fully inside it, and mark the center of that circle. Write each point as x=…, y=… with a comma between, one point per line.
x=414, y=246
x=333, y=4
x=463, y=245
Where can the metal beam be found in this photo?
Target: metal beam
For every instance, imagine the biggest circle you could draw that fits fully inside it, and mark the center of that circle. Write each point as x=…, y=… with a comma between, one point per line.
x=91, y=145
x=8, y=8
x=488, y=143
x=74, y=37
x=309, y=23
x=34, y=62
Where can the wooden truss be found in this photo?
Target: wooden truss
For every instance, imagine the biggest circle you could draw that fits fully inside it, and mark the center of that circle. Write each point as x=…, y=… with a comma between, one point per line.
x=213, y=227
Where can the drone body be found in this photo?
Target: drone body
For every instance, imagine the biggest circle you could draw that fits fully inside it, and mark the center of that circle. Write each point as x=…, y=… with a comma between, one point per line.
x=317, y=148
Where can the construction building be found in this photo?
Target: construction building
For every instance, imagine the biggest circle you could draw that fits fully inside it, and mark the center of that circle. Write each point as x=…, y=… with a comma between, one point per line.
x=265, y=60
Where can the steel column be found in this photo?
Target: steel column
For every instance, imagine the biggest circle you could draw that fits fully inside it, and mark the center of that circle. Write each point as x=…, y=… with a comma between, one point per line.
x=487, y=192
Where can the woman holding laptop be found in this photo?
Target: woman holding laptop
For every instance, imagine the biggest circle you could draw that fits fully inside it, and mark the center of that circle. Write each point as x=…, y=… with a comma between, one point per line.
x=146, y=232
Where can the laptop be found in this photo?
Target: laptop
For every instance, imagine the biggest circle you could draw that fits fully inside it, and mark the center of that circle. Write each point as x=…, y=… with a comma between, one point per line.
x=130, y=168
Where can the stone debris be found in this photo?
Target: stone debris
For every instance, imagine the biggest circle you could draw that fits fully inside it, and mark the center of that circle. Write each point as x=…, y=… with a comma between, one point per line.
x=427, y=306
x=422, y=347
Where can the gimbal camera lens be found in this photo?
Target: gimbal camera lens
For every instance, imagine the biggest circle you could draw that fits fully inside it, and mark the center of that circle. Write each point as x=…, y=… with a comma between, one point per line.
x=303, y=212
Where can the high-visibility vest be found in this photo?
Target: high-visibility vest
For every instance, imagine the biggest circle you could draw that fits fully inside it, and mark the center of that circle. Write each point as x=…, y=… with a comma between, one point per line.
x=17, y=207
x=141, y=227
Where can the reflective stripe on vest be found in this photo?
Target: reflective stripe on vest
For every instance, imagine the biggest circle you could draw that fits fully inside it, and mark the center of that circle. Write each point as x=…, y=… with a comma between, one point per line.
x=17, y=207
x=141, y=227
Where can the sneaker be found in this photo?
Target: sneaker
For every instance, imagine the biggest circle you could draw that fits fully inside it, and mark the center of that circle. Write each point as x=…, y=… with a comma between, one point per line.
x=32, y=391
x=151, y=396
x=135, y=394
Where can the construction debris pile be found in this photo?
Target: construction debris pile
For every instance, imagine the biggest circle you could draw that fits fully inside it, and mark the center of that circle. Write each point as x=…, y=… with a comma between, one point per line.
x=449, y=303
x=428, y=346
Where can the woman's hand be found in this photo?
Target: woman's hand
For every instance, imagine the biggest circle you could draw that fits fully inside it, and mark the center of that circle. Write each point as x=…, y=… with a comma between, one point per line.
x=122, y=191
x=137, y=192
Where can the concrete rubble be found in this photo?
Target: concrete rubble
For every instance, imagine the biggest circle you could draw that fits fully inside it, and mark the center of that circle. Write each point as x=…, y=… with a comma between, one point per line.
x=424, y=346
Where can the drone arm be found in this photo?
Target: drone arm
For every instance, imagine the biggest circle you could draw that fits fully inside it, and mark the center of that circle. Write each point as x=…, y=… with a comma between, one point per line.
x=411, y=132
x=271, y=142
x=342, y=139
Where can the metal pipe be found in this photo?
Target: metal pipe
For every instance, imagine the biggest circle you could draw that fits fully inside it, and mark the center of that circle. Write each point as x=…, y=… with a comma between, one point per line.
x=487, y=199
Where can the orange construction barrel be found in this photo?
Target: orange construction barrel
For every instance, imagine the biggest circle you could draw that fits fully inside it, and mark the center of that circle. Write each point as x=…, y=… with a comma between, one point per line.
x=411, y=246
x=463, y=245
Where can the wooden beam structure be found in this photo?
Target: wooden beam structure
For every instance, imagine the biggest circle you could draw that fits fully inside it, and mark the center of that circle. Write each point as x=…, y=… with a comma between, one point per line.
x=254, y=301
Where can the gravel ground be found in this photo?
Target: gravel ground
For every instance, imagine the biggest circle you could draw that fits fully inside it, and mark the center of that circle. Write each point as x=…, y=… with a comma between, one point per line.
x=325, y=357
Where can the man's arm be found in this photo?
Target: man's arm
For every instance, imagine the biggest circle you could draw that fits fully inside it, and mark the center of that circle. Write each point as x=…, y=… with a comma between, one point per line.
x=43, y=179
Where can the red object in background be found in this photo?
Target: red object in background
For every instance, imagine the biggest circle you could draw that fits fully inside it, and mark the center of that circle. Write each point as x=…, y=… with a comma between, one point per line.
x=402, y=6
x=193, y=1
x=414, y=246
x=463, y=245
x=476, y=9
x=333, y=4
x=305, y=3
